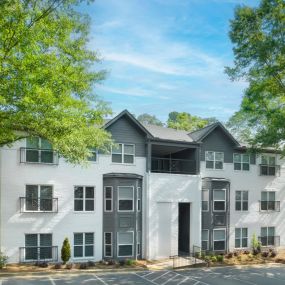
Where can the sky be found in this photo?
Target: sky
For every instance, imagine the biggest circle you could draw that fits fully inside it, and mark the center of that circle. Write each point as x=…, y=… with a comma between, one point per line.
x=166, y=55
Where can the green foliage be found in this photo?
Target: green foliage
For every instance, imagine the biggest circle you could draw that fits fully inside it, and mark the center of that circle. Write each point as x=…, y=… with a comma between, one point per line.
x=130, y=262
x=187, y=122
x=65, y=251
x=47, y=77
x=220, y=258
x=149, y=119
x=213, y=258
x=255, y=245
x=3, y=260
x=257, y=35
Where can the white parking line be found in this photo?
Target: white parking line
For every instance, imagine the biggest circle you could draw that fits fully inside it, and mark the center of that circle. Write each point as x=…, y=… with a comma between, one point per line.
x=194, y=279
x=142, y=277
x=184, y=281
x=159, y=276
x=170, y=279
x=101, y=280
x=50, y=279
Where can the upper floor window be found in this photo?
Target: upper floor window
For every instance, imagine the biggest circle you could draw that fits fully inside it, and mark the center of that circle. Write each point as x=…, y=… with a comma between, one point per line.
x=205, y=200
x=241, y=200
x=123, y=153
x=268, y=202
x=125, y=198
x=268, y=165
x=108, y=199
x=214, y=160
x=84, y=198
x=241, y=161
x=219, y=200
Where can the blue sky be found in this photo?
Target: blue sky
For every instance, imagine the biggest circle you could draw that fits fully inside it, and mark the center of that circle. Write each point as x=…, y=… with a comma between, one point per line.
x=166, y=55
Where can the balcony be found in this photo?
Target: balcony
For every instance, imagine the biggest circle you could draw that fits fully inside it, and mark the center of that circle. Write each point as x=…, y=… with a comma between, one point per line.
x=41, y=253
x=269, y=206
x=269, y=170
x=170, y=165
x=269, y=240
x=38, y=205
x=38, y=156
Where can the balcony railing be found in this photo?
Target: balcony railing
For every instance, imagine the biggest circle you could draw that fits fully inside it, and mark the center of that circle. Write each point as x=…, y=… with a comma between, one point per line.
x=39, y=156
x=269, y=206
x=269, y=240
x=269, y=170
x=40, y=205
x=169, y=165
x=41, y=253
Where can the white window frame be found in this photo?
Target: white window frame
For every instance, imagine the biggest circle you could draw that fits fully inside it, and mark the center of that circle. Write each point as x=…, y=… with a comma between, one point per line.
x=139, y=246
x=268, y=235
x=225, y=201
x=241, y=162
x=133, y=206
x=84, y=199
x=139, y=200
x=111, y=244
x=123, y=154
x=242, y=201
x=214, y=161
x=118, y=244
x=83, y=245
x=267, y=201
x=241, y=237
x=108, y=199
x=208, y=202
x=208, y=240
x=225, y=240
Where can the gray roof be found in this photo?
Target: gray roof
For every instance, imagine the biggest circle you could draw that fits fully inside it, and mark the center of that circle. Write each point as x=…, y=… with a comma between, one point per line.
x=199, y=134
x=164, y=133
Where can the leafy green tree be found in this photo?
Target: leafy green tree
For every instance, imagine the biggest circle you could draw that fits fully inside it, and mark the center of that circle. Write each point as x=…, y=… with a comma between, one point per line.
x=185, y=121
x=47, y=77
x=258, y=36
x=65, y=251
x=149, y=119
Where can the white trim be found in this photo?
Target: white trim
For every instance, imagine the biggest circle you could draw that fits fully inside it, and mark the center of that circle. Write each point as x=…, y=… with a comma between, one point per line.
x=111, y=244
x=208, y=240
x=225, y=190
x=208, y=202
x=123, y=154
x=84, y=199
x=83, y=245
x=219, y=229
x=108, y=199
x=125, y=244
x=122, y=211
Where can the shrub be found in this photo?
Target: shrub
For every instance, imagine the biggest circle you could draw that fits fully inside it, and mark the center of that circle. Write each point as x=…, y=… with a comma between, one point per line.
x=265, y=254
x=91, y=263
x=280, y=260
x=273, y=253
x=220, y=258
x=250, y=256
x=3, y=260
x=83, y=265
x=57, y=266
x=130, y=262
x=69, y=266
x=239, y=257
x=246, y=252
x=43, y=264
x=203, y=255
x=237, y=253
x=122, y=262
x=112, y=262
x=65, y=251
x=229, y=255
x=255, y=245
x=207, y=258
x=213, y=259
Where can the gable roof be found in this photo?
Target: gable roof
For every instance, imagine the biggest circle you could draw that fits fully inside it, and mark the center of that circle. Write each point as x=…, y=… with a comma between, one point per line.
x=131, y=117
x=201, y=134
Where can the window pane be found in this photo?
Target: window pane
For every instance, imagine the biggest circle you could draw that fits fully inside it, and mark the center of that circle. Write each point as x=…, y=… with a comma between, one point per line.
x=238, y=205
x=125, y=192
x=78, y=205
x=245, y=195
x=245, y=166
x=89, y=238
x=45, y=240
x=108, y=250
x=108, y=205
x=78, y=192
x=32, y=191
x=209, y=155
x=219, y=220
x=32, y=155
x=237, y=243
x=271, y=196
x=219, y=206
x=93, y=156
x=204, y=206
x=264, y=196
x=245, y=206
x=45, y=252
x=46, y=156
x=271, y=170
x=219, y=245
x=89, y=250
x=237, y=157
x=219, y=156
x=128, y=158
x=272, y=160
x=210, y=164
x=45, y=144
x=219, y=195
x=264, y=159
x=32, y=142
x=244, y=242
x=125, y=238
x=125, y=250
x=89, y=192
x=205, y=195
x=205, y=235
x=237, y=166
x=78, y=239
x=238, y=195
x=117, y=158
x=125, y=205
x=219, y=234
x=204, y=245
x=89, y=205
x=108, y=238
x=263, y=232
x=271, y=231
x=117, y=148
x=237, y=232
x=129, y=149
x=245, y=158
x=31, y=240
x=219, y=165
x=31, y=253
x=46, y=191
x=244, y=232
x=108, y=192
x=78, y=251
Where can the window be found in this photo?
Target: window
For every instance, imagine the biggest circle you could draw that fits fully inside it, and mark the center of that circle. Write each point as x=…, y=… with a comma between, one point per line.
x=84, y=198
x=241, y=200
x=241, y=161
x=219, y=239
x=268, y=165
x=83, y=245
x=108, y=199
x=39, y=198
x=267, y=201
x=38, y=247
x=125, y=244
x=123, y=153
x=138, y=243
x=93, y=155
x=241, y=237
x=267, y=236
x=214, y=160
x=108, y=244
x=219, y=200
x=205, y=200
x=125, y=198
x=39, y=150
x=139, y=199
x=205, y=239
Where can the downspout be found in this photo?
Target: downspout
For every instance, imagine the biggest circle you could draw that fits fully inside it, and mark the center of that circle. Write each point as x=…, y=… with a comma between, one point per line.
x=0, y=200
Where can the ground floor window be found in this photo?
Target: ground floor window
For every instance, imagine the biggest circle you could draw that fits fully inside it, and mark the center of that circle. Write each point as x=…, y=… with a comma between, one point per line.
x=38, y=247
x=138, y=243
x=205, y=239
x=125, y=244
x=241, y=237
x=83, y=245
x=108, y=244
x=267, y=237
x=219, y=239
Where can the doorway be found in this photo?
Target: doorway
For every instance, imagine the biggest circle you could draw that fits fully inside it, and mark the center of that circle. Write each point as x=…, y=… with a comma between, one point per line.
x=184, y=228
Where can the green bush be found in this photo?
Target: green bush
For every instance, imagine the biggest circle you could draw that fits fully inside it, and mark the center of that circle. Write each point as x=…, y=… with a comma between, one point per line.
x=213, y=258
x=3, y=260
x=220, y=258
x=65, y=251
x=130, y=262
x=255, y=245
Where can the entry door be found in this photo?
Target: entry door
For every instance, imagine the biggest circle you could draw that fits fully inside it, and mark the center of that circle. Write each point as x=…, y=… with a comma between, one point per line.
x=184, y=228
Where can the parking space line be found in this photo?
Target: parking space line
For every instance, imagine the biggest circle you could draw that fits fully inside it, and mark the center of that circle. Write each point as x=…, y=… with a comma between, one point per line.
x=50, y=279
x=142, y=277
x=170, y=279
x=194, y=279
x=244, y=281
x=159, y=276
x=101, y=280
x=182, y=281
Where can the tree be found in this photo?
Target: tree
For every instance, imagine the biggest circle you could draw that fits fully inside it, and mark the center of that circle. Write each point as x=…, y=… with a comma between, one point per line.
x=258, y=37
x=185, y=121
x=149, y=119
x=47, y=76
x=65, y=251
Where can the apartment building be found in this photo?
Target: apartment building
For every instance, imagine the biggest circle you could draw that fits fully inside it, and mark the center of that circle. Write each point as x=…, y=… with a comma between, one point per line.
x=159, y=192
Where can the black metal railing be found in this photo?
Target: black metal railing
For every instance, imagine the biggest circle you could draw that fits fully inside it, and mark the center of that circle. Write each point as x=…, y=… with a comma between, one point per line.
x=269, y=170
x=39, y=156
x=171, y=165
x=269, y=206
x=38, y=253
x=28, y=204
x=269, y=240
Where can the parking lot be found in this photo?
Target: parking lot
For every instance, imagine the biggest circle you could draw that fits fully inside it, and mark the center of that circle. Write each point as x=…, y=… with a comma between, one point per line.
x=257, y=275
